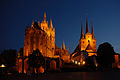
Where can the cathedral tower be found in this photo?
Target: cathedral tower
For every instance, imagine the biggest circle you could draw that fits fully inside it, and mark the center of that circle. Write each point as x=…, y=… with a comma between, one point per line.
x=40, y=36
x=87, y=42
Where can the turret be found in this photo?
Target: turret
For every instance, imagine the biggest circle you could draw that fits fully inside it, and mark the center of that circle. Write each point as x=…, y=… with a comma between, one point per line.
x=64, y=46
x=51, y=25
x=44, y=16
x=61, y=46
x=93, y=36
x=68, y=49
x=38, y=23
x=32, y=24
x=87, y=29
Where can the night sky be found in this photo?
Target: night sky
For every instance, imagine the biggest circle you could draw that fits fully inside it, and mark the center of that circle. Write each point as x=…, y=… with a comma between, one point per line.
x=66, y=16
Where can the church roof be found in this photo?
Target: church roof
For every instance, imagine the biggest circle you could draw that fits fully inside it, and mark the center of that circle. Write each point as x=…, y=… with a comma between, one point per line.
x=76, y=49
x=89, y=47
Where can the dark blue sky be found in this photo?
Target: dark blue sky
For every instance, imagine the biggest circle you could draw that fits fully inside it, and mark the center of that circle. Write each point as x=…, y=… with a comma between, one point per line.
x=66, y=16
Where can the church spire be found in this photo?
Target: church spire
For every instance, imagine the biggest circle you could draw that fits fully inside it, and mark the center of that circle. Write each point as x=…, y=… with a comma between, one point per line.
x=64, y=46
x=82, y=34
x=87, y=29
x=51, y=25
x=61, y=46
x=93, y=36
x=44, y=16
x=32, y=23
x=39, y=23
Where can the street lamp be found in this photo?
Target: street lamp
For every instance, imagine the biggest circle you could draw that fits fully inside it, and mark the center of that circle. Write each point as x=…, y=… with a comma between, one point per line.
x=78, y=63
x=75, y=62
x=83, y=62
x=2, y=66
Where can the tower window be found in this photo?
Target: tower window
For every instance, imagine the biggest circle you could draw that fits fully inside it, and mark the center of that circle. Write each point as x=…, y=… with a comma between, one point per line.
x=83, y=42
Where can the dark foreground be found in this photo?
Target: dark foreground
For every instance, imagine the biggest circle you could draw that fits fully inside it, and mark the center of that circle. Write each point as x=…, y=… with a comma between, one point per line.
x=66, y=76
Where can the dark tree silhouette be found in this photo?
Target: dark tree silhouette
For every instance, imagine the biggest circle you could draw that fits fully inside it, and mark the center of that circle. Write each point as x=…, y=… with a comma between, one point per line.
x=105, y=55
x=35, y=60
x=22, y=57
x=21, y=52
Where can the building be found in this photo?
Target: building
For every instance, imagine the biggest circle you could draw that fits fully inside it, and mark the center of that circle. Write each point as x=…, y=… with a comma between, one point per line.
x=87, y=43
x=63, y=53
x=41, y=36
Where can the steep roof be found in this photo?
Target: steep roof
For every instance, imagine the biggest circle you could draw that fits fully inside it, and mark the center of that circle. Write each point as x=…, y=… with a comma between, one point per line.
x=89, y=47
x=76, y=49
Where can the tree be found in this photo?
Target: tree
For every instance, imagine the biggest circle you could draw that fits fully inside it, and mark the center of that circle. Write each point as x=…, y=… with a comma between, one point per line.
x=35, y=60
x=105, y=55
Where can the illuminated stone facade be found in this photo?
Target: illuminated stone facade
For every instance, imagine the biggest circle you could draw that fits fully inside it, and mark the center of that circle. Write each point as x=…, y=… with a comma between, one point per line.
x=63, y=53
x=87, y=42
x=40, y=36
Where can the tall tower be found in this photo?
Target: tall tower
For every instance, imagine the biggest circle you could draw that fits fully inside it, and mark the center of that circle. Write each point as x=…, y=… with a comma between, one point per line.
x=40, y=36
x=87, y=42
x=44, y=23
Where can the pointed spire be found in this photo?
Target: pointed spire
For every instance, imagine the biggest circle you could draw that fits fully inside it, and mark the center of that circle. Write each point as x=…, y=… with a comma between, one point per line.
x=32, y=23
x=87, y=29
x=38, y=23
x=61, y=46
x=44, y=16
x=93, y=36
x=82, y=34
x=51, y=25
x=64, y=46
x=68, y=49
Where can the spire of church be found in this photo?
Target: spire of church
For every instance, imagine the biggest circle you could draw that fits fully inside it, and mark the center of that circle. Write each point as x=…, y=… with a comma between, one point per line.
x=64, y=46
x=68, y=49
x=82, y=34
x=61, y=46
x=32, y=24
x=38, y=23
x=93, y=36
x=51, y=25
x=44, y=16
x=87, y=29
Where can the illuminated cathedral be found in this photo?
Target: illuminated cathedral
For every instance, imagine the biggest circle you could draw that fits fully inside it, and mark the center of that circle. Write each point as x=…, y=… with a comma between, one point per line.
x=87, y=42
x=41, y=36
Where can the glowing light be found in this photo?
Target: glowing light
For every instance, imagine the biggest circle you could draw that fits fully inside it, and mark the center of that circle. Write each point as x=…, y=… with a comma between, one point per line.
x=78, y=63
x=75, y=62
x=96, y=65
x=83, y=62
x=2, y=65
x=41, y=69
